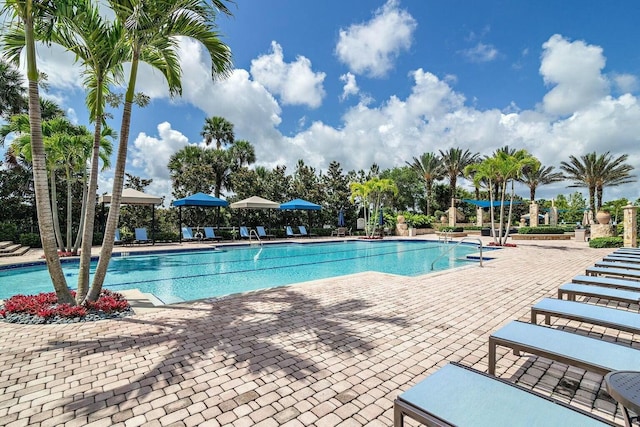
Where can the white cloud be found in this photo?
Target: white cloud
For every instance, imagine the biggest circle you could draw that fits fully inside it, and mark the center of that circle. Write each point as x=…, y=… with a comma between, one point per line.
x=372, y=47
x=295, y=82
x=626, y=83
x=481, y=53
x=574, y=71
x=350, y=86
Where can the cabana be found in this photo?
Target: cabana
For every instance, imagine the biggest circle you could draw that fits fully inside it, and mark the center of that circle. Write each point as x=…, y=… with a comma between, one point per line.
x=198, y=199
x=300, y=205
x=135, y=197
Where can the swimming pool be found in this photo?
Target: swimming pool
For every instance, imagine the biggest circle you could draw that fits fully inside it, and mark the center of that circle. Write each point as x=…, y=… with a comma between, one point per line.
x=184, y=276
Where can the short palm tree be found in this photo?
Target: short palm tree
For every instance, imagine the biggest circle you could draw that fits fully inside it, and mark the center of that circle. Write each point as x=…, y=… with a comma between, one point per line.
x=430, y=169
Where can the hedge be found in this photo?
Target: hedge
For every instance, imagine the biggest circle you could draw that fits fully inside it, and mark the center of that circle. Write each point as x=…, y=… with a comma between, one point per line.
x=606, y=242
x=541, y=230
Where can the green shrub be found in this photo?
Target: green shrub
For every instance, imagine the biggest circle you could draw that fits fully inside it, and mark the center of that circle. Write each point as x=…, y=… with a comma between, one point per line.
x=452, y=229
x=166, y=236
x=473, y=228
x=418, y=220
x=8, y=232
x=541, y=230
x=30, y=239
x=98, y=236
x=606, y=242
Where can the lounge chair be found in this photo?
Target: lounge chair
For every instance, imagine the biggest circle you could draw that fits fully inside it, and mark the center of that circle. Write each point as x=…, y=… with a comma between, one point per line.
x=608, y=282
x=570, y=290
x=584, y=352
x=209, y=234
x=117, y=240
x=622, y=258
x=618, y=264
x=588, y=313
x=290, y=232
x=303, y=231
x=187, y=234
x=263, y=234
x=339, y=232
x=611, y=271
x=141, y=236
x=244, y=232
x=461, y=396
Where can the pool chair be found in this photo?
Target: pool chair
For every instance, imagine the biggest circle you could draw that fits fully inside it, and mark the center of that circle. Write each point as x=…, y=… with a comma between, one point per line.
x=617, y=264
x=462, y=396
x=583, y=352
x=209, y=234
x=117, y=240
x=613, y=271
x=244, y=233
x=263, y=234
x=141, y=236
x=290, y=232
x=571, y=290
x=303, y=231
x=622, y=320
x=187, y=234
x=339, y=232
x=607, y=282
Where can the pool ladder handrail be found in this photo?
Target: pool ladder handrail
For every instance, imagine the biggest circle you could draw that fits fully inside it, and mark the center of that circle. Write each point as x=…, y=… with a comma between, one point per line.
x=253, y=232
x=446, y=235
x=458, y=244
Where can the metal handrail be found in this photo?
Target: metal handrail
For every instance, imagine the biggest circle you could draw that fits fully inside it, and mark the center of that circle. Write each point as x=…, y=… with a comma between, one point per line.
x=458, y=244
x=255, y=233
x=446, y=233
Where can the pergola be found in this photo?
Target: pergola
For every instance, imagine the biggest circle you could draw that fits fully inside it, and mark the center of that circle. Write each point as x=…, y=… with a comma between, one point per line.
x=135, y=197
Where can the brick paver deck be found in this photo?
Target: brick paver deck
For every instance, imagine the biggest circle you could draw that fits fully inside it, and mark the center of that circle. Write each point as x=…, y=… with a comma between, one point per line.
x=332, y=352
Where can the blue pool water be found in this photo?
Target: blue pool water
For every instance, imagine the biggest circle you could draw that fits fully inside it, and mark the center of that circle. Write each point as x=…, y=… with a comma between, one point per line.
x=184, y=276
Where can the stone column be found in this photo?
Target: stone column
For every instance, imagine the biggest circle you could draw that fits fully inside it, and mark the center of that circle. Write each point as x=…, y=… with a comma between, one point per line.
x=479, y=216
x=630, y=234
x=452, y=216
x=546, y=218
x=534, y=209
x=554, y=216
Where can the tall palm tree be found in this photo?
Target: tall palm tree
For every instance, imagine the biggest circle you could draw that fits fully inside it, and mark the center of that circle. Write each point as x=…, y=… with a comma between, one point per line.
x=454, y=161
x=535, y=177
x=30, y=14
x=430, y=168
x=152, y=29
x=218, y=129
x=582, y=172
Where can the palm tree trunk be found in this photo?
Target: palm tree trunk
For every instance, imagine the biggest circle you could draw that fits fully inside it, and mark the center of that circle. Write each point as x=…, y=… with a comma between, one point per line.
x=90, y=210
x=83, y=209
x=41, y=187
x=118, y=182
x=69, y=215
x=56, y=218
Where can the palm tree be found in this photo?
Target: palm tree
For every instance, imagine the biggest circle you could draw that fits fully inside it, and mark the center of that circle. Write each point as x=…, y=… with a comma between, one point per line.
x=13, y=96
x=582, y=172
x=29, y=15
x=503, y=167
x=454, y=161
x=373, y=192
x=595, y=171
x=430, y=168
x=534, y=177
x=152, y=33
x=217, y=129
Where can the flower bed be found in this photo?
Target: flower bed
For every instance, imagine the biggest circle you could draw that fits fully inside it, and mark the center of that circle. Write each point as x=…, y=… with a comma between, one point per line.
x=44, y=308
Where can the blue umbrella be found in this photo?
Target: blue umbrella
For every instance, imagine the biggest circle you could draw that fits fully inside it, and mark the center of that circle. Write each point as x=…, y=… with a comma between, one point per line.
x=381, y=219
x=341, y=218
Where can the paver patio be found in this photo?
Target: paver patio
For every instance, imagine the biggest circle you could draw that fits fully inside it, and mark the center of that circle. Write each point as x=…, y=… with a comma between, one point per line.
x=332, y=352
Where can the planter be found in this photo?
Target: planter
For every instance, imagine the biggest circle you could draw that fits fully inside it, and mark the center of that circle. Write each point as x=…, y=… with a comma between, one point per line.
x=603, y=217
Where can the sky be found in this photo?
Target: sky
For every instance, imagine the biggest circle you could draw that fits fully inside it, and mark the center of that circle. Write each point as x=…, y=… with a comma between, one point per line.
x=363, y=82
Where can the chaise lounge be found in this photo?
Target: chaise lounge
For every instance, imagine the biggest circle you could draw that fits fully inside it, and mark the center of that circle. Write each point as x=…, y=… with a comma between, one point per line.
x=613, y=271
x=571, y=290
x=210, y=234
x=263, y=234
x=459, y=396
x=589, y=313
x=583, y=352
x=141, y=236
x=290, y=232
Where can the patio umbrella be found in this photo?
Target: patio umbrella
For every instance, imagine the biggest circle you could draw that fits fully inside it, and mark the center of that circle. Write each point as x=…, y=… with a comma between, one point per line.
x=197, y=199
x=341, y=222
x=300, y=204
x=255, y=202
x=381, y=219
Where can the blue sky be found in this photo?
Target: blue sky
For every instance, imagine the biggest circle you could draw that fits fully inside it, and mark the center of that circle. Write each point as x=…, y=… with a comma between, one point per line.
x=373, y=81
